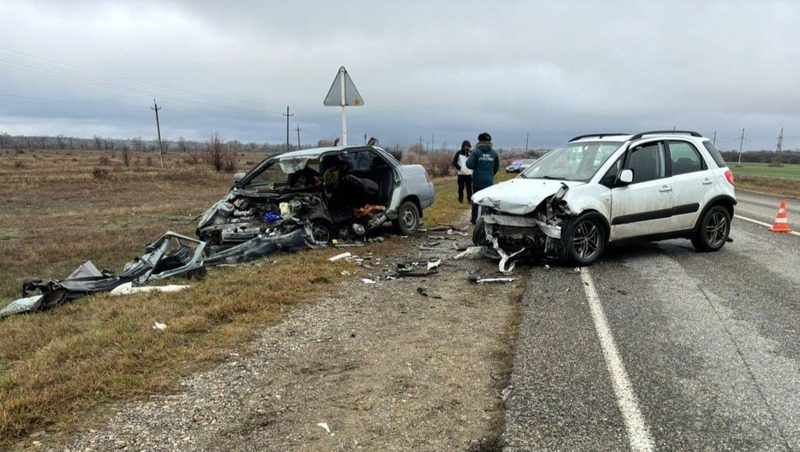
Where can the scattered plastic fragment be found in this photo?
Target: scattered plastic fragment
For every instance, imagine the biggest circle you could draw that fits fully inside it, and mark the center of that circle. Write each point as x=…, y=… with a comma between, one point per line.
x=367, y=281
x=339, y=256
x=473, y=252
x=478, y=279
x=324, y=426
x=506, y=265
x=506, y=393
x=128, y=289
x=160, y=326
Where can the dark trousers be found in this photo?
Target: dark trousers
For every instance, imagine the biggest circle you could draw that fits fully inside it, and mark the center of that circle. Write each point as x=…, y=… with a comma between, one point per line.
x=474, y=216
x=464, y=182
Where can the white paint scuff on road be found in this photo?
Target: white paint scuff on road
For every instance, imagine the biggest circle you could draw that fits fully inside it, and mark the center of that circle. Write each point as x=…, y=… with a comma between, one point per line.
x=638, y=433
x=762, y=224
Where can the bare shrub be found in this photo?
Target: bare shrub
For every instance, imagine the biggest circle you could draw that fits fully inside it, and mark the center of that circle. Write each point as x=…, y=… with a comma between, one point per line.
x=19, y=164
x=103, y=160
x=148, y=161
x=229, y=164
x=440, y=163
x=100, y=173
x=219, y=156
x=410, y=157
x=191, y=159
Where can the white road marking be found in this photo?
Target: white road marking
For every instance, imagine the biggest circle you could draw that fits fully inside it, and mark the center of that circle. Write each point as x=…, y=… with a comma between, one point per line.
x=638, y=433
x=764, y=224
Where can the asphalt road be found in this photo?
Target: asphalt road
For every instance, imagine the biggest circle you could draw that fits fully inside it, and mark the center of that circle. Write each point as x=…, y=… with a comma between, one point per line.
x=700, y=351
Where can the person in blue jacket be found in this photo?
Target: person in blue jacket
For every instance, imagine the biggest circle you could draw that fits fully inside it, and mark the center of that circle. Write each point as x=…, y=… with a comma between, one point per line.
x=484, y=163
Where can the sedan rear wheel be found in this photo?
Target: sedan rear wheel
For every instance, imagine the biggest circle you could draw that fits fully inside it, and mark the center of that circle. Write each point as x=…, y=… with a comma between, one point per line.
x=407, y=221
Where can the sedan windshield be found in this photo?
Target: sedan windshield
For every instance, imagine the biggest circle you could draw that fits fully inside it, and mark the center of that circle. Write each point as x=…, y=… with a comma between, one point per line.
x=573, y=161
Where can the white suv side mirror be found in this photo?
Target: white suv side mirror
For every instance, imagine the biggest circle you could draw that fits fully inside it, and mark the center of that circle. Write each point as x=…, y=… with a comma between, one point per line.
x=626, y=176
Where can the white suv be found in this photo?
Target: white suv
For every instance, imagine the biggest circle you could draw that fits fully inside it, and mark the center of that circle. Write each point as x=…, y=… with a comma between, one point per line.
x=609, y=187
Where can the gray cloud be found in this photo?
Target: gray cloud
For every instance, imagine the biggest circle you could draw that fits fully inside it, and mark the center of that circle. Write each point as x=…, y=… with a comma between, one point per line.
x=551, y=69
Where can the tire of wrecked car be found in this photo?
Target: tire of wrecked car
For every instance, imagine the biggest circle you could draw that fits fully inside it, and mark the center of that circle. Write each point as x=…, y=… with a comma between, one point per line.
x=585, y=238
x=407, y=221
x=322, y=230
x=713, y=229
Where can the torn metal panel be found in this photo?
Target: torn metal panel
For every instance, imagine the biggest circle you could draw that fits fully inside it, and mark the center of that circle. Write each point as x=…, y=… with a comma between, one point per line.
x=260, y=246
x=171, y=255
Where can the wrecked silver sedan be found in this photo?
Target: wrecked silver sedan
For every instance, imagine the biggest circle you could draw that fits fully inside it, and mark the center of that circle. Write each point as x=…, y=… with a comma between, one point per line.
x=326, y=193
x=604, y=188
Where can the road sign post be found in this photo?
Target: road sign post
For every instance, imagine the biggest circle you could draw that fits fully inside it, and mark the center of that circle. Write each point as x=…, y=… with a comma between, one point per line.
x=343, y=93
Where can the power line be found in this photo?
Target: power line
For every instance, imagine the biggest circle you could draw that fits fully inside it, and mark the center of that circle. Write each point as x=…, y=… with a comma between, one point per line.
x=116, y=89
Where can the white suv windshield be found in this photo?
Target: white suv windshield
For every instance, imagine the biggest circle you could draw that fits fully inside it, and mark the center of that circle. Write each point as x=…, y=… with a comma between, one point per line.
x=572, y=161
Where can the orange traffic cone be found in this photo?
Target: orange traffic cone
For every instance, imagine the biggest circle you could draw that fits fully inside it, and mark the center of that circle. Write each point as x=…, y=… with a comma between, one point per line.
x=781, y=221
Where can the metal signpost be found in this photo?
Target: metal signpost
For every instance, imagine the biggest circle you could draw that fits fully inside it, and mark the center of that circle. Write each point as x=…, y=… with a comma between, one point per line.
x=343, y=93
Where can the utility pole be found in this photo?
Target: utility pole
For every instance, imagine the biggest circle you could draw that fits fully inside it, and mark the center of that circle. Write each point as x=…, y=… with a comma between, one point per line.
x=779, y=147
x=298, y=136
x=714, y=141
x=158, y=128
x=365, y=137
x=527, y=136
x=287, y=126
x=431, y=148
x=741, y=142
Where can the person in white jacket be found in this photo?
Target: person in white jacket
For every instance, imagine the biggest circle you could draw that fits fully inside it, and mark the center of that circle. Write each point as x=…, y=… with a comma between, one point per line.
x=464, y=173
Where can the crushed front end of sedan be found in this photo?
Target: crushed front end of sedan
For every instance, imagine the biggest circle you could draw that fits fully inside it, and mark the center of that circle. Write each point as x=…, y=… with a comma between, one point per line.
x=310, y=197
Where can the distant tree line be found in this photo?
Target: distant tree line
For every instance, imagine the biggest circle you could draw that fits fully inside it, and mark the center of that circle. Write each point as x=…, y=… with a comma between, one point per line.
x=762, y=156
x=137, y=144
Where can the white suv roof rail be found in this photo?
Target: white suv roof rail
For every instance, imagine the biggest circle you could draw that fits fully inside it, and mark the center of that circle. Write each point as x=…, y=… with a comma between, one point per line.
x=596, y=135
x=666, y=132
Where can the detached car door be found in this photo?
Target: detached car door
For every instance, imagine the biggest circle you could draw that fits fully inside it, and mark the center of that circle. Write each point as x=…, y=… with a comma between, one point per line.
x=644, y=206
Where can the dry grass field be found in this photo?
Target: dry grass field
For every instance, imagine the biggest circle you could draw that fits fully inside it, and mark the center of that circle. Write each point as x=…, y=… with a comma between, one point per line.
x=61, y=208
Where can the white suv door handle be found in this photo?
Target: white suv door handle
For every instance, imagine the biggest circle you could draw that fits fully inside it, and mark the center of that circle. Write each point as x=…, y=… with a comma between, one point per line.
x=707, y=181
x=665, y=188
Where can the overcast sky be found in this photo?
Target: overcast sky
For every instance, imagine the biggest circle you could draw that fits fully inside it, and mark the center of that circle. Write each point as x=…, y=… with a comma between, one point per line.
x=447, y=69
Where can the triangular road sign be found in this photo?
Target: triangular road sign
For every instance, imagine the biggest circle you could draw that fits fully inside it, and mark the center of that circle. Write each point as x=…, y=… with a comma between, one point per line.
x=351, y=96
